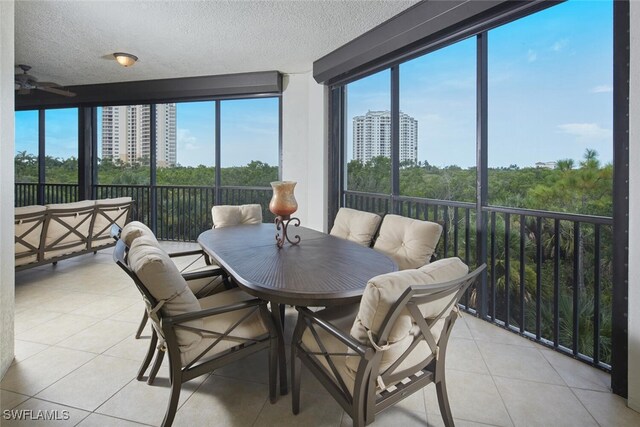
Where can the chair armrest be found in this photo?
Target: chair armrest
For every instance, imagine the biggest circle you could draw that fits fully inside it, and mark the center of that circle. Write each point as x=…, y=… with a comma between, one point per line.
x=187, y=317
x=186, y=253
x=348, y=340
x=203, y=274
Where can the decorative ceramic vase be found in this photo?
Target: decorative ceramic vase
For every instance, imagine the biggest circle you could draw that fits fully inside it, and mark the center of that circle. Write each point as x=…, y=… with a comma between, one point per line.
x=283, y=203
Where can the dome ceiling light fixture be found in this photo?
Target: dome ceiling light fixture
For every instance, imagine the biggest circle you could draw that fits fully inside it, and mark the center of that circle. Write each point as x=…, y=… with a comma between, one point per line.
x=125, y=59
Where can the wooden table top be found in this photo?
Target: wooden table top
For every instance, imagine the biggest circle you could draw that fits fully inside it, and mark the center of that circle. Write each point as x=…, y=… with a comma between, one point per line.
x=322, y=270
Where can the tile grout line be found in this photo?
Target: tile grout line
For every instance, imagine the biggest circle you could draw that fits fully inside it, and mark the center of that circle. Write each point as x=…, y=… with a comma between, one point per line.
x=583, y=405
x=492, y=379
x=569, y=387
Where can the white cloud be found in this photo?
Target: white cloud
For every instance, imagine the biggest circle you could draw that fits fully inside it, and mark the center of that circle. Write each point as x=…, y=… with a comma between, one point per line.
x=186, y=140
x=531, y=55
x=602, y=89
x=559, y=45
x=583, y=131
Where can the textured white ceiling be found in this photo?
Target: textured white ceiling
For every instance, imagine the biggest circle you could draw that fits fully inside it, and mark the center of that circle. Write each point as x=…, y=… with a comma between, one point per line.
x=71, y=42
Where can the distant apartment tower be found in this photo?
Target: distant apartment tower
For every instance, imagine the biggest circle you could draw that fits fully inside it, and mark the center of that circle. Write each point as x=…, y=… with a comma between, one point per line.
x=126, y=133
x=546, y=165
x=372, y=136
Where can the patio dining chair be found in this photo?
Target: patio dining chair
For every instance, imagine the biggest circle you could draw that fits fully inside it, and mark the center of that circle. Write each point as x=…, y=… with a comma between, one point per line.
x=409, y=242
x=204, y=278
x=372, y=355
x=202, y=281
x=199, y=335
x=356, y=226
x=231, y=215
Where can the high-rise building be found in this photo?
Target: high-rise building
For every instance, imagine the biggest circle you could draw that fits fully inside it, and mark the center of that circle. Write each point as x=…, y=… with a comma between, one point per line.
x=372, y=136
x=126, y=133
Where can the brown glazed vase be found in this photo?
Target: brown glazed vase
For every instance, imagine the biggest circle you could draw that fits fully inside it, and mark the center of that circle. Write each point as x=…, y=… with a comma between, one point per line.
x=283, y=202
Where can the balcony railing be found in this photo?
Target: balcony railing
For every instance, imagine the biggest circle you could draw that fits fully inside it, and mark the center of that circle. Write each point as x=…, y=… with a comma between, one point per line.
x=181, y=212
x=549, y=274
x=27, y=193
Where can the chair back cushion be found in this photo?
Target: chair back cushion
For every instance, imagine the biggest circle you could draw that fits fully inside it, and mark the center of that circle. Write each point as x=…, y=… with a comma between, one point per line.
x=68, y=228
x=162, y=279
x=228, y=216
x=28, y=228
x=357, y=226
x=133, y=230
x=409, y=242
x=383, y=291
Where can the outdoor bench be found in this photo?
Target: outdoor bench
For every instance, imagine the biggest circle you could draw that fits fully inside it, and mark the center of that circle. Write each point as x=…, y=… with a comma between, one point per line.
x=48, y=234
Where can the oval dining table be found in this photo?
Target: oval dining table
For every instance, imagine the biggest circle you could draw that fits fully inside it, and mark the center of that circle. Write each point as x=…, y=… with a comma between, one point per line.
x=322, y=270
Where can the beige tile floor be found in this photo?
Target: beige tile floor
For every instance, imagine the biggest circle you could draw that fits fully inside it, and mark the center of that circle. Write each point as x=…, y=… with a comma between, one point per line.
x=75, y=352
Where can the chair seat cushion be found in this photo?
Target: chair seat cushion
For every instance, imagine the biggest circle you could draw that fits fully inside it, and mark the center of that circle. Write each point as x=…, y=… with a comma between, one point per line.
x=205, y=285
x=252, y=327
x=347, y=366
x=409, y=242
x=341, y=317
x=356, y=226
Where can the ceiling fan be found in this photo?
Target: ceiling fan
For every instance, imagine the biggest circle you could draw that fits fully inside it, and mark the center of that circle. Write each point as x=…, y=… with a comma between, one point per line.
x=26, y=82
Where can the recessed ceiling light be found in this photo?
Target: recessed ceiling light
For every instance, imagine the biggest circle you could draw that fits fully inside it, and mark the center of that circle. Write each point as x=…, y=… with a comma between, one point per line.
x=125, y=59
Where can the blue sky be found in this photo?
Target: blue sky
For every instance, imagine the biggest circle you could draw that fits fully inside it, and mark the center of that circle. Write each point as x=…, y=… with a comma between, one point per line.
x=550, y=91
x=550, y=97
x=249, y=131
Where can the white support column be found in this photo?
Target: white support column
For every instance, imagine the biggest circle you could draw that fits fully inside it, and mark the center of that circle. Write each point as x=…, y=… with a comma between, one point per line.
x=7, y=275
x=304, y=146
x=634, y=211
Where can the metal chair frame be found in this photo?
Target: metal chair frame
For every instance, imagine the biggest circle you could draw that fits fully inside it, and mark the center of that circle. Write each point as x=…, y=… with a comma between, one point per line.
x=157, y=363
x=166, y=326
x=367, y=400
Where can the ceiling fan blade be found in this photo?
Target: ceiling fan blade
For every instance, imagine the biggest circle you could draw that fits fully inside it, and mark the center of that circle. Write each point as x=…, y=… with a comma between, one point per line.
x=48, y=84
x=56, y=91
x=24, y=91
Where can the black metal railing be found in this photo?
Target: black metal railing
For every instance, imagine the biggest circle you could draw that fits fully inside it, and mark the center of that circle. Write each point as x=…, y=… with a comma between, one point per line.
x=549, y=274
x=183, y=212
x=180, y=212
x=27, y=193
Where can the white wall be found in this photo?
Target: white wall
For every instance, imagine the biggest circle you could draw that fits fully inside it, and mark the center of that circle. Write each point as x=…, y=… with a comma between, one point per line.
x=634, y=211
x=7, y=278
x=304, y=146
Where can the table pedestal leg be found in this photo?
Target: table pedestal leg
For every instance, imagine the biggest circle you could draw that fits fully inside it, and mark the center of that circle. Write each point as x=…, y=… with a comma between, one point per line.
x=277, y=312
